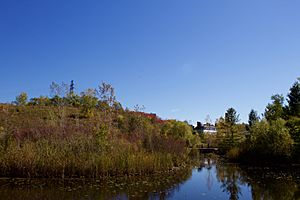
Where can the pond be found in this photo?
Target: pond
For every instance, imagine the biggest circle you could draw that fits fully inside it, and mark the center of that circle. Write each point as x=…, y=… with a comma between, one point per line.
x=210, y=179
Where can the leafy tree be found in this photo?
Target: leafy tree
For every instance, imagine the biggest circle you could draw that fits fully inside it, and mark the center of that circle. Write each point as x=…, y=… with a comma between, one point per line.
x=253, y=118
x=293, y=125
x=294, y=100
x=294, y=128
x=88, y=102
x=106, y=93
x=138, y=124
x=180, y=130
x=270, y=139
x=231, y=116
x=275, y=110
x=21, y=99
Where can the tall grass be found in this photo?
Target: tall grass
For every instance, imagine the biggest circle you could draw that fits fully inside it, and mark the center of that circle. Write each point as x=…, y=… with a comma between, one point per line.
x=79, y=157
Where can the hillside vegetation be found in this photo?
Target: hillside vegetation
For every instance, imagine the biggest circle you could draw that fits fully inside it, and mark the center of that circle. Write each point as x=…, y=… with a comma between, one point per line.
x=90, y=135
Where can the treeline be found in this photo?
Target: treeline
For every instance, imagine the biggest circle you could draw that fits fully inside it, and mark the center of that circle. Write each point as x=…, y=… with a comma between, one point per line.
x=90, y=135
x=275, y=136
x=64, y=95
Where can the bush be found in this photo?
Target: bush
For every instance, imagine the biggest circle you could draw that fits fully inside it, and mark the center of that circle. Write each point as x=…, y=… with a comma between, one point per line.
x=21, y=99
x=180, y=130
x=270, y=140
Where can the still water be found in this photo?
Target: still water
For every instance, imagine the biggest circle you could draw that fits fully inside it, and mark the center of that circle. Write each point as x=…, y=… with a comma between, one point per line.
x=210, y=179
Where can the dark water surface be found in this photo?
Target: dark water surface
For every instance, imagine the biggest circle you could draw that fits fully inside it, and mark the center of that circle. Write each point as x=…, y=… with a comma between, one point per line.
x=211, y=179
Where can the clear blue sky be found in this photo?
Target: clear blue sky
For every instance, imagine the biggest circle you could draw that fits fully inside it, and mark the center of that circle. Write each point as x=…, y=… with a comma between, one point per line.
x=180, y=59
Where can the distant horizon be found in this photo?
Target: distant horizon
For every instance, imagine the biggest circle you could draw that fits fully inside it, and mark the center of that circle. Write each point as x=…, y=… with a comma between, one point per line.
x=181, y=60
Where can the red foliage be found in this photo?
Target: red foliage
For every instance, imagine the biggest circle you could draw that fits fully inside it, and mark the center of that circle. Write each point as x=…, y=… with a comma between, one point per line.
x=151, y=116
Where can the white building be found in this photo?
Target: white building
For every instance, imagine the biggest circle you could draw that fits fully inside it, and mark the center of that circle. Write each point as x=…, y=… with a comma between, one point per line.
x=209, y=128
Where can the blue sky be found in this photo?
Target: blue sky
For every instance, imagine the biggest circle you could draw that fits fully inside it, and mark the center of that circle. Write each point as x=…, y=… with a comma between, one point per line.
x=180, y=59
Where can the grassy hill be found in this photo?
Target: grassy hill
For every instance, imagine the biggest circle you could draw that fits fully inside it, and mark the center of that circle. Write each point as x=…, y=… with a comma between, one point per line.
x=40, y=140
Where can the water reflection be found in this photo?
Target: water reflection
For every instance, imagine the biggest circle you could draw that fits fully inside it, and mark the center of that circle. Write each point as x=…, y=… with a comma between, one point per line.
x=231, y=179
x=160, y=186
x=272, y=183
x=212, y=179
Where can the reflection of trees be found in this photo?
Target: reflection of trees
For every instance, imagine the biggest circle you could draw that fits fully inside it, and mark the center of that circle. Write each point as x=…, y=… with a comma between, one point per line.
x=167, y=190
x=209, y=180
x=231, y=179
x=273, y=184
x=207, y=163
x=265, y=183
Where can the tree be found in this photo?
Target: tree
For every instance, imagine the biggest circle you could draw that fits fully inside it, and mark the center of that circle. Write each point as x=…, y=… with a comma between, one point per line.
x=21, y=99
x=138, y=108
x=60, y=90
x=71, y=92
x=228, y=135
x=270, y=139
x=106, y=93
x=275, y=110
x=89, y=102
x=180, y=130
x=293, y=124
x=294, y=100
x=231, y=116
x=253, y=118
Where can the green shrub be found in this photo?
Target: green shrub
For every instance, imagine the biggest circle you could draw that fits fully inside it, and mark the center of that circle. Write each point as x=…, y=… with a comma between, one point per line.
x=270, y=139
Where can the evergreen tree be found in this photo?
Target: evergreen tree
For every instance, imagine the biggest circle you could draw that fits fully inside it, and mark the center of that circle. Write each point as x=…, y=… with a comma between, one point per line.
x=228, y=135
x=294, y=100
x=253, y=118
x=275, y=110
x=72, y=87
x=231, y=116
